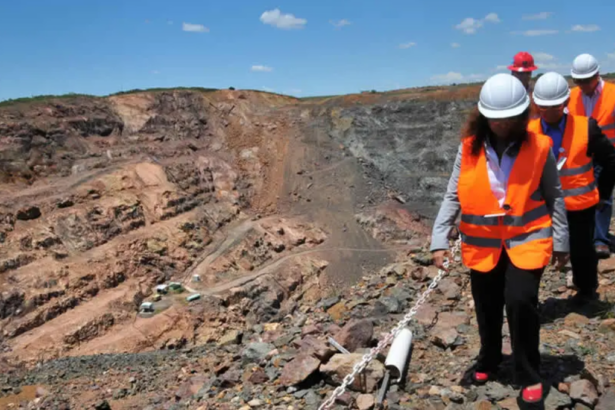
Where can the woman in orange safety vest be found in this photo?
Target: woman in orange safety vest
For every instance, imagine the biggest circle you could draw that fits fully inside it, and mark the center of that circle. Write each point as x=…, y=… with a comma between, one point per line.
x=513, y=223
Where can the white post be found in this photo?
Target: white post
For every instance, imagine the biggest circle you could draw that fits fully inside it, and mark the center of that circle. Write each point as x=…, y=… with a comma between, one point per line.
x=398, y=354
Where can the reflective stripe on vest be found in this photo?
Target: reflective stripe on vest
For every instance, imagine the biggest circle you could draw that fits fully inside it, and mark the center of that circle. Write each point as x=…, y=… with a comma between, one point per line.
x=522, y=225
x=507, y=220
x=543, y=233
x=577, y=174
x=604, y=110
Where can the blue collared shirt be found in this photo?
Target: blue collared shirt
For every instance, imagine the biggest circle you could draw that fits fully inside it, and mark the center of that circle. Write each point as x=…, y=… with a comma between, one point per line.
x=556, y=133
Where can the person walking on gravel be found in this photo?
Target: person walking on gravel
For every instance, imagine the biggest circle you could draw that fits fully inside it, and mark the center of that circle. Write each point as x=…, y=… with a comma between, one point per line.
x=577, y=140
x=513, y=222
x=593, y=97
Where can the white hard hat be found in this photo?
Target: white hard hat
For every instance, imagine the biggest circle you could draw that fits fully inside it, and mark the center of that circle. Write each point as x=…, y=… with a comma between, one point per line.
x=584, y=66
x=551, y=89
x=503, y=96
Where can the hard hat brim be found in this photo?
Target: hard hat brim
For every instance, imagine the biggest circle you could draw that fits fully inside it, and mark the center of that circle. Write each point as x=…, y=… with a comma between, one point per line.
x=521, y=69
x=584, y=75
x=499, y=114
x=550, y=103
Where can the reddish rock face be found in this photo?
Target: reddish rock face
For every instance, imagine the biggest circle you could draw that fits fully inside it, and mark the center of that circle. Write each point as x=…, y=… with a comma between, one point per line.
x=355, y=334
x=299, y=369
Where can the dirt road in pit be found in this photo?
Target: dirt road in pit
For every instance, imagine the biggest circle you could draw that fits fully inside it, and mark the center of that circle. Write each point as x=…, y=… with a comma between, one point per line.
x=236, y=234
x=276, y=264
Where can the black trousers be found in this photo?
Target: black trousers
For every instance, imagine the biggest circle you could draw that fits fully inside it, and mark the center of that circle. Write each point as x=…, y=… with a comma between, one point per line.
x=518, y=290
x=583, y=258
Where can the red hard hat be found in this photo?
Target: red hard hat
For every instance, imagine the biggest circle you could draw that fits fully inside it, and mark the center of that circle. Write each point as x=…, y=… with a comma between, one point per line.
x=523, y=62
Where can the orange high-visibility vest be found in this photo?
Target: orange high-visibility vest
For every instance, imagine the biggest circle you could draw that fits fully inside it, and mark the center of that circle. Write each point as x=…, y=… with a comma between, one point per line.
x=522, y=225
x=577, y=173
x=603, y=111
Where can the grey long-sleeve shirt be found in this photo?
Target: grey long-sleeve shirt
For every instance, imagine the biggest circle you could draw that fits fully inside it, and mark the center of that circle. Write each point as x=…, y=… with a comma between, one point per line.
x=550, y=189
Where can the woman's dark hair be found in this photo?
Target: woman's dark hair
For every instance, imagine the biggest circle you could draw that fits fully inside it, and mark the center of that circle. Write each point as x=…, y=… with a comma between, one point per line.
x=477, y=126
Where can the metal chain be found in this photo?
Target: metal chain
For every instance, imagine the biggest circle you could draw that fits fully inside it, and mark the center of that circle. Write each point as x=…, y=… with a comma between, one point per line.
x=360, y=366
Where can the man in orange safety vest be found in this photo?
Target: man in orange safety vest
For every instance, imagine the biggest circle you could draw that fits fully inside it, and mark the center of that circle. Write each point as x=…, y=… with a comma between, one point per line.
x=576, y=141
x=593, y=97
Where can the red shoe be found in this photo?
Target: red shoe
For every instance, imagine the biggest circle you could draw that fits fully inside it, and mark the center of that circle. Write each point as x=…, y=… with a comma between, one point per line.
x=532, y=396
x=481, y=377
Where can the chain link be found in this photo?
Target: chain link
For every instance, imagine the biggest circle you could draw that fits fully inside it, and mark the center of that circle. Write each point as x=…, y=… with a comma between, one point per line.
x=360, y=366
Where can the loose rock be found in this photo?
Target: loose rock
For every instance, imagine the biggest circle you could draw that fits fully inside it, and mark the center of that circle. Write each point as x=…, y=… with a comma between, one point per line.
x=230, y=338
x=356, y=334
x=317, y=348
x=391, y=304
x=341, y=364
x=607, y=401
x=256, y=352
x=607, y=326
x=575, y=320
x=445, y=338
x=365, y=402
x=299, y=369
x=556, y=400
x=584, y=391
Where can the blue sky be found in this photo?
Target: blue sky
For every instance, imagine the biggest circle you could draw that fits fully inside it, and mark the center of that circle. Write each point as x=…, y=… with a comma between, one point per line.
x=288, y=46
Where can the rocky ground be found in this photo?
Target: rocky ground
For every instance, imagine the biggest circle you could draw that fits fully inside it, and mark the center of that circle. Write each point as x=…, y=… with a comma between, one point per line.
x=287, y=362
x=293, y=222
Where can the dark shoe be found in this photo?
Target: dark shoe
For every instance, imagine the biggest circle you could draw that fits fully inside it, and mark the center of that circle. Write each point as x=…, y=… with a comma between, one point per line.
x=584, y=297
x=603, y=252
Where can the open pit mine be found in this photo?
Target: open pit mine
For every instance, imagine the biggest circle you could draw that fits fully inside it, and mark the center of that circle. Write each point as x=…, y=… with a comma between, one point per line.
x=184, y=249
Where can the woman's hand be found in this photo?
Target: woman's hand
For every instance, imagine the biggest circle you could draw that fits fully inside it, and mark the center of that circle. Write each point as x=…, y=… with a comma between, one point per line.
x=560, y=259
x=438, y=258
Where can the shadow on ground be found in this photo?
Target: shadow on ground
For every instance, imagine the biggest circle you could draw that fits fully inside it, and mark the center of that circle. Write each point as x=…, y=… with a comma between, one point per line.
x=553, y=309
x=554, y=369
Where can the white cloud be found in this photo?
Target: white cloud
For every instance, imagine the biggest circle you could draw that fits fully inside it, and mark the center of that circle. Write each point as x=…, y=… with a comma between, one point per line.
x=492, y=18
x=284, y=21
x=552, y=66
x=538, y=56
x=455, y=45
x=340, y=23
x=261, y=68
x=546, y=61
x=470, y=25
x=538, y=16
x=611, y=56
x=407, y=45
x=294, y=91
x=585, y=28
x=534, y=33
x=195, y=28
x=451, y=76
x=455, y=77
x=270, y=90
